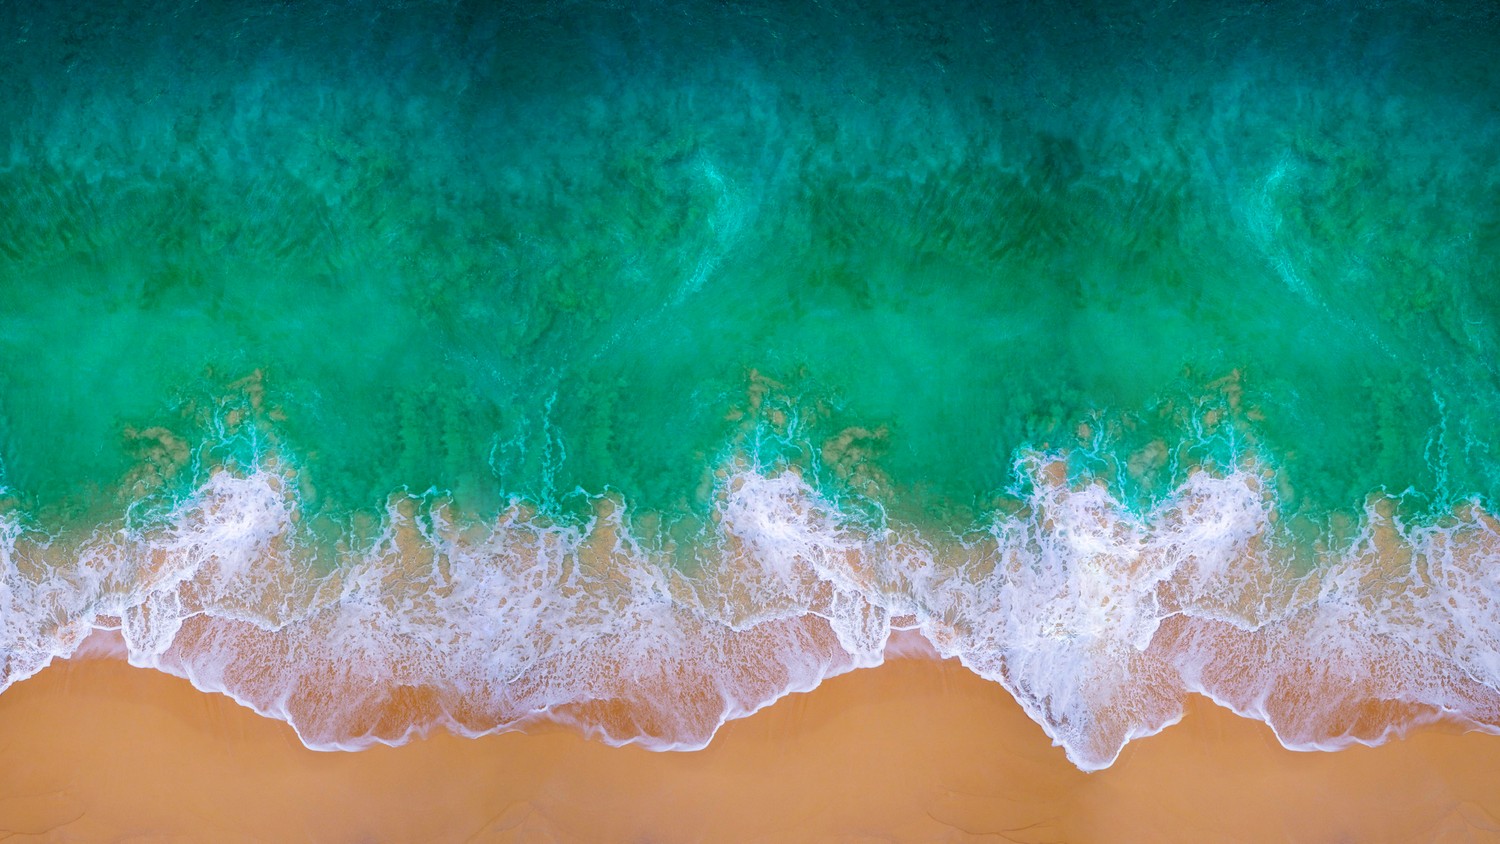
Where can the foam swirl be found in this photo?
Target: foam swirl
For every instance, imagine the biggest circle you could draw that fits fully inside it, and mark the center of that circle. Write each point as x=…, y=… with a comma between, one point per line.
x=1098, y=620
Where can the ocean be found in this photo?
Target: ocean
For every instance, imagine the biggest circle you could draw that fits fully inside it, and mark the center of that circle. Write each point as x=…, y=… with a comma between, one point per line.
x=422, y=364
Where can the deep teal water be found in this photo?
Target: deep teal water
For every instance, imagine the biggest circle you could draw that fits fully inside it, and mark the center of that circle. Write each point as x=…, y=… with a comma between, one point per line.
x=540, y=250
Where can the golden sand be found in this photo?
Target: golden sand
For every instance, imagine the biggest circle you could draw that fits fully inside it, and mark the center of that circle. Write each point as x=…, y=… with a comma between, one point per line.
x=916, y=750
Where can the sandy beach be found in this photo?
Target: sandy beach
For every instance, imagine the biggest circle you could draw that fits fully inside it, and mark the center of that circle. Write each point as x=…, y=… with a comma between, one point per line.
x=92, y=749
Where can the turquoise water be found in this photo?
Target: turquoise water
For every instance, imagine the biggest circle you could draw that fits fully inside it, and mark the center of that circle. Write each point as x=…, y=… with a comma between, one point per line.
x=485, y=256
x=507, y=254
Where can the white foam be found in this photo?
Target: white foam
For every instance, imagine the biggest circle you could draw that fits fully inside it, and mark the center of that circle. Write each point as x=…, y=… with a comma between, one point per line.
x=1099, y=621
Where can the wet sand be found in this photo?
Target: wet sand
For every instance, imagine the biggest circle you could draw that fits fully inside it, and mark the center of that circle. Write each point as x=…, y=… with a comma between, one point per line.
x=916, y=750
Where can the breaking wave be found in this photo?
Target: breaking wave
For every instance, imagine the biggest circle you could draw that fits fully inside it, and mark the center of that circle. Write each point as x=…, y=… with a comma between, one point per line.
x=1098, y=619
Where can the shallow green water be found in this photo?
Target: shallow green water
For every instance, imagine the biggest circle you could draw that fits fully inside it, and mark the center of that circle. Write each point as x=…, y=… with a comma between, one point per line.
x=531, y=254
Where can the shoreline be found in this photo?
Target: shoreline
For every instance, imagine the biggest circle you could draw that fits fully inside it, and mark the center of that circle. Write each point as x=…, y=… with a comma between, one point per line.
x=915, y=750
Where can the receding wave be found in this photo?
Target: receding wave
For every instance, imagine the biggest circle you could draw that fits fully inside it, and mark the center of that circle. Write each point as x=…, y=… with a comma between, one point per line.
x=1099, y=620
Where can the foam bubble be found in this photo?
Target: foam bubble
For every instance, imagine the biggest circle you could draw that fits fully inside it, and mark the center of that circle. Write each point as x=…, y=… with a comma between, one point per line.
x=1099, y=620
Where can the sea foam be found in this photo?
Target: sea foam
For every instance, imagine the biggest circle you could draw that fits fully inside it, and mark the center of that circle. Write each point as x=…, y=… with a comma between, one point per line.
x=1099, y=620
